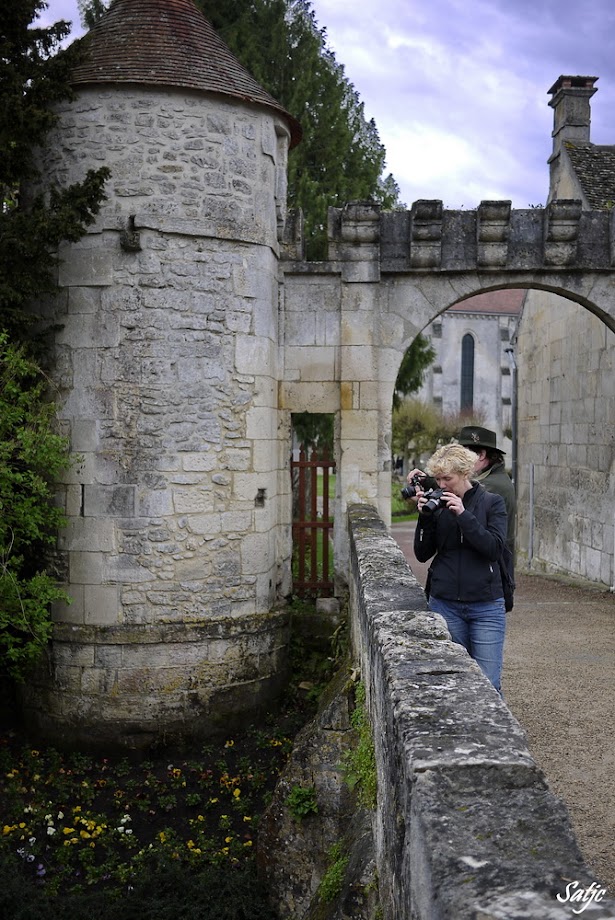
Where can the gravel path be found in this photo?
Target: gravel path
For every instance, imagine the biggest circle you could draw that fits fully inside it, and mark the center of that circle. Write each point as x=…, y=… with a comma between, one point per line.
x=559, y=680
x=559, y=675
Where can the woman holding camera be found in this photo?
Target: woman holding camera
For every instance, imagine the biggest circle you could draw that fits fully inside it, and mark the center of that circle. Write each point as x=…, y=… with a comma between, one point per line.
x=464, y=527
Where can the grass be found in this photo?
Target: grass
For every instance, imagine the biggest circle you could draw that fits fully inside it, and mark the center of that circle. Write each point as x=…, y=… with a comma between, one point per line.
x=94, y=837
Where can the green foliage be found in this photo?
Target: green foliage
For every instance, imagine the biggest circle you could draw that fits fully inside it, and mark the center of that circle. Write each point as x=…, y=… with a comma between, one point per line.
x=163, y=889
x=34, y=76
x=73, y=823
x=412, y=369
x=314, y=429
x=90, y=11
x=359, y=764
x=31, y=457
x=301, y=801
x=340, y=157
x=332, y=881
x=422, y=426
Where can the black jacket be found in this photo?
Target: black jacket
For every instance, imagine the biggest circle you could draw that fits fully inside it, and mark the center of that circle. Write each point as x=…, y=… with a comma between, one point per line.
x=467, y=548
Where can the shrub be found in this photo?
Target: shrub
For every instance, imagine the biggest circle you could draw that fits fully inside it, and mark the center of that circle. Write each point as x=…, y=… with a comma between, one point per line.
x=31, y=458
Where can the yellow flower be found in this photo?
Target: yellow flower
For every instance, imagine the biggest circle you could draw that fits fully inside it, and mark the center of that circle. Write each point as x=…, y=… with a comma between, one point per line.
x=246, y=818
x=68, y=830
x=236, y=793
x=248, y=843
x=229, y=744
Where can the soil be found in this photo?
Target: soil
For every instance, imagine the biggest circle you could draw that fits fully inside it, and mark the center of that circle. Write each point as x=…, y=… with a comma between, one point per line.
x=558, y=681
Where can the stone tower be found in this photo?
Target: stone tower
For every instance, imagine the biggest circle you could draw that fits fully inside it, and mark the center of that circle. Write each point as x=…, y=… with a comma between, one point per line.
x=166, y=363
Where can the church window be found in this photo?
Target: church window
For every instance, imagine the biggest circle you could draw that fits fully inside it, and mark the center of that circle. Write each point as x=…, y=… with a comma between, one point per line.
x=467, y=373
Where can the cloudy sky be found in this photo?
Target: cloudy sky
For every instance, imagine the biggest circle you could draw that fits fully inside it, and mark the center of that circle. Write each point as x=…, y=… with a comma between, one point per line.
x=459, y=88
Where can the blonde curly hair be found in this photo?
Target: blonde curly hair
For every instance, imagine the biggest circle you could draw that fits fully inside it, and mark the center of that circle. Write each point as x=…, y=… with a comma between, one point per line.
x=451, y=459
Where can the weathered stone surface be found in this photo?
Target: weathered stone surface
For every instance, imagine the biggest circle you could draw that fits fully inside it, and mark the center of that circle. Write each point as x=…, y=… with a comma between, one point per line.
x=292, y=853
x=466, y=825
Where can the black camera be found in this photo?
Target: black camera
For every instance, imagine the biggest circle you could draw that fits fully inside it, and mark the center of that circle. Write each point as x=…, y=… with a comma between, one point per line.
x=434, y=501
x=409, y=491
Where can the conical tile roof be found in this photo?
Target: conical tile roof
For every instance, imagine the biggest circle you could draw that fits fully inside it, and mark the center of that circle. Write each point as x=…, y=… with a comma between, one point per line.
x=168, y=43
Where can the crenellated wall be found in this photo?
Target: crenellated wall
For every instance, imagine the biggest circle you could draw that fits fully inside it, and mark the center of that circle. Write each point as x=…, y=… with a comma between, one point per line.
x=466, y=827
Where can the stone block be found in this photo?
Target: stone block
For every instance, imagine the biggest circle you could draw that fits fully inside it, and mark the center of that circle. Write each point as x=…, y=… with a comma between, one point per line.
x=261, y=423
x=193, y=501
x=88, y=535
x=254, y=355
x=300, y=329
x=256, y=554
x=73, y=612
x=84, y=435
x=86, y=568
x=357, y=362
x=80, y=267
x=310, y=397
x=112, y=500
x=84, y=299
x=360, y=425
x=101, y=605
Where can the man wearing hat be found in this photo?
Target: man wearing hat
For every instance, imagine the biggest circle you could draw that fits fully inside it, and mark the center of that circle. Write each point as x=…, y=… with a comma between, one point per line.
x=491, y=471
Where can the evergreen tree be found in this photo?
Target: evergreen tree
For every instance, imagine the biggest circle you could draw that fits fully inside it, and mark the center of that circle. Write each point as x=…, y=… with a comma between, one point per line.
x=412, y=369
x=34, y=75
x=340, y=157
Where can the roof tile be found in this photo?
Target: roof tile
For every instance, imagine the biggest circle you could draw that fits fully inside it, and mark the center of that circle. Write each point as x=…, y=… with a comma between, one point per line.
x=595, y=168
x=168, y=43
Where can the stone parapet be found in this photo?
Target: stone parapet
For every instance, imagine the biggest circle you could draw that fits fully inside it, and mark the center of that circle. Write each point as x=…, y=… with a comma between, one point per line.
x=364, y=242
x=466, y=825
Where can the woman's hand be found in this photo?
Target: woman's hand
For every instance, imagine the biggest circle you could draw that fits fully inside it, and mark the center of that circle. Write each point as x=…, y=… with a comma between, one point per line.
x=415, y=472
x=453, y=502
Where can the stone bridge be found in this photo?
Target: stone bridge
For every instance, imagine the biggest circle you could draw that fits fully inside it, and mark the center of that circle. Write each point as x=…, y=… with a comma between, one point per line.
x=347, y=322
x=466, y=827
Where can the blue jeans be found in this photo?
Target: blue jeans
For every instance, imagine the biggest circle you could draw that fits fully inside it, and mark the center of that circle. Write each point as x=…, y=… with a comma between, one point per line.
x=480, y=628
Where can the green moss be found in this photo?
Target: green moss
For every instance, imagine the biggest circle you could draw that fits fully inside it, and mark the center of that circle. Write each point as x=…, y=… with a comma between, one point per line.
x=359, y=764
x=333, y=880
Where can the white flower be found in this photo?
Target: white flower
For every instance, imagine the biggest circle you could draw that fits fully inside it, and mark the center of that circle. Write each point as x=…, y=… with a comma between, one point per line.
x=51, y=831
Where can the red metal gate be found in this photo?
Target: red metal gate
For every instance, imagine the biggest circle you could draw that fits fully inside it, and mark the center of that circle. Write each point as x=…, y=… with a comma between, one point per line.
x=312, y=525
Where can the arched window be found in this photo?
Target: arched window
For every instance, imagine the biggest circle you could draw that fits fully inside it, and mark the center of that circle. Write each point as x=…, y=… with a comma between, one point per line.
x=467, y=373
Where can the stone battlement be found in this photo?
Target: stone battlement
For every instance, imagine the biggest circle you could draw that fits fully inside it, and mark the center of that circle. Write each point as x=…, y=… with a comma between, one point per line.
x=494, y=236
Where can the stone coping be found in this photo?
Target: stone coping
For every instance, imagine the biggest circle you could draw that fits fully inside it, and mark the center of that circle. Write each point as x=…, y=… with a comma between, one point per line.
x=466, y=825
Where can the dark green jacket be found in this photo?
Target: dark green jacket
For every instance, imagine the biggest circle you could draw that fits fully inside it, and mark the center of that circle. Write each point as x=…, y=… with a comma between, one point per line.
x=497, y=480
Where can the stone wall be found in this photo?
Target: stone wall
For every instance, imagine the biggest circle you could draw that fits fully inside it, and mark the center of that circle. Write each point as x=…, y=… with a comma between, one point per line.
x=166, y=367
x=466, y=826
x=566, y=412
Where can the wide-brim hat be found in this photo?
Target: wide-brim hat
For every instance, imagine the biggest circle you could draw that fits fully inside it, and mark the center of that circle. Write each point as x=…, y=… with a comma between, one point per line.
x=474, y=436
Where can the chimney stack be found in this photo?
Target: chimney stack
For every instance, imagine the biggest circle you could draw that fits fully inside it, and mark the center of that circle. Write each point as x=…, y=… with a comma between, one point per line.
x=572, y=114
